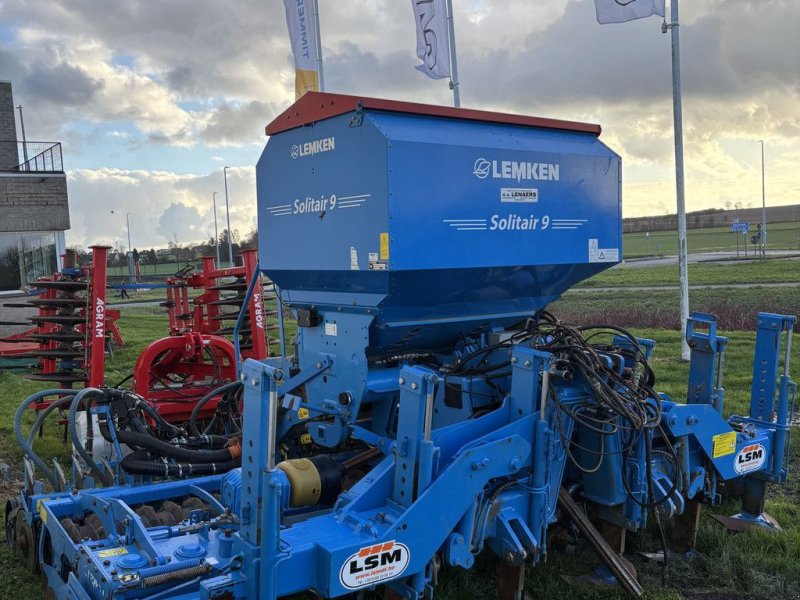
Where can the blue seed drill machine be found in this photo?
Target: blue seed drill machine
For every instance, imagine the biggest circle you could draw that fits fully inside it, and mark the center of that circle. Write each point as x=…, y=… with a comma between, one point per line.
x=429, y=408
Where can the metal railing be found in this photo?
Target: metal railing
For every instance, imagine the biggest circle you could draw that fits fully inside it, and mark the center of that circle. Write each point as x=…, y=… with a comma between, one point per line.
x=31, y=157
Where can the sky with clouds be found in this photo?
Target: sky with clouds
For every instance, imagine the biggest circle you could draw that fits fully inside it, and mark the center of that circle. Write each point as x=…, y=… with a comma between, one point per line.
x=151, y=99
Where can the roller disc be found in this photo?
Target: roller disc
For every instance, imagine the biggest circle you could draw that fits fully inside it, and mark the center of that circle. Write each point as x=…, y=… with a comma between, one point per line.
x=59, y=319
x=58, y=302
x=225, y=317
x=228, y=302
x=57, y=337
x=64, y=377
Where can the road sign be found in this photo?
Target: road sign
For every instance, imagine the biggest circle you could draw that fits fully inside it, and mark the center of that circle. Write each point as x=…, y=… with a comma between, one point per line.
x=740, y=227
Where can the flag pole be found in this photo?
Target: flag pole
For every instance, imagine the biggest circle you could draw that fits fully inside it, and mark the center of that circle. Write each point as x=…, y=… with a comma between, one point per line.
x=453, y=60
x=318, y=42
x=677, y=115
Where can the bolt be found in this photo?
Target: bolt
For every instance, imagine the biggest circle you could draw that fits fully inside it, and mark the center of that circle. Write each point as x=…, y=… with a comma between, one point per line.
x=527, y=363
x=401, y=381
x=414, y=385
x=515, y=464
x=513, y=360
x=254, y=381
x=478, y=465
x=509, y=557
x=319, y=365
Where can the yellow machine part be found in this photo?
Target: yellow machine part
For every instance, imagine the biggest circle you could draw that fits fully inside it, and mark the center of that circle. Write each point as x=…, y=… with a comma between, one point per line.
x=304, y=481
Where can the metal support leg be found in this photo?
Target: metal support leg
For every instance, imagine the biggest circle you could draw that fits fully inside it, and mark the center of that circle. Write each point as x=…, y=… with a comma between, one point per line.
x=684, y=531
x=510, y=582
x=753, y=502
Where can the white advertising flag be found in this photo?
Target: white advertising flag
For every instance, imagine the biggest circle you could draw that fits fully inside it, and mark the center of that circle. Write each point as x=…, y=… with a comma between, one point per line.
x=432, y=42
x=619, y=11
x=303, y=35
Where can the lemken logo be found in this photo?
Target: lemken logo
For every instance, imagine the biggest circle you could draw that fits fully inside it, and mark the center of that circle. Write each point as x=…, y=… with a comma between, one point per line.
x=517, y=170
x=481, y=168
x=312, y=148
x=750, y=458
x=373, y=564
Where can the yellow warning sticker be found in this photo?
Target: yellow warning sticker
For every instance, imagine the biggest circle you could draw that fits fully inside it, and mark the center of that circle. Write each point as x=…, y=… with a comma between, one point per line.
x=129, y=577
x=305, y=438
x=40, y=509
x=723, y=444
x=112, y=552
x=384, y=254
x=302, y=413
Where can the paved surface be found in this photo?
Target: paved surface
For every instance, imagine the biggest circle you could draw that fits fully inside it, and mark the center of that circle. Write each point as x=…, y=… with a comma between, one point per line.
x=14, y=314
x=651, y=288
x=702, y=257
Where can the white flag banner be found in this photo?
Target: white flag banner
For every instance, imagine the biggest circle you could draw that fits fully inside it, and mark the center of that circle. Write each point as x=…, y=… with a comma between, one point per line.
x=619, y=11
x=433, y=47
x=303, y=35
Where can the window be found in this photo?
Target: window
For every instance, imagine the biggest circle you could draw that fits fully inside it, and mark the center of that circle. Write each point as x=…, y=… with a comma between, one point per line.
x=24, y=257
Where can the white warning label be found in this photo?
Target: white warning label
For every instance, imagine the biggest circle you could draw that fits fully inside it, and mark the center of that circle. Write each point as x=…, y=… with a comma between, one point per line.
x=597, y=254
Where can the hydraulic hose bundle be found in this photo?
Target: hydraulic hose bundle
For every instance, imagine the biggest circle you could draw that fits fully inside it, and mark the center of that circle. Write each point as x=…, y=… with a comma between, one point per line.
x=158, y=448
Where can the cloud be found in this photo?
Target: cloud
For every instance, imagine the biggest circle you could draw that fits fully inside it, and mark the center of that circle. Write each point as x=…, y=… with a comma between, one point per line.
x=196, y=80
x=161, y=205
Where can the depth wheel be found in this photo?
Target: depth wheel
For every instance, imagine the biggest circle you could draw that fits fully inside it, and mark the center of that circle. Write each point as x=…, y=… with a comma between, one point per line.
x=25, y=543
x=12, y=508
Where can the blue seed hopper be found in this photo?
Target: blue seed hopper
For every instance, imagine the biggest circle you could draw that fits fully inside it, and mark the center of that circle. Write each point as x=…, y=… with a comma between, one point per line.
x=434, y=223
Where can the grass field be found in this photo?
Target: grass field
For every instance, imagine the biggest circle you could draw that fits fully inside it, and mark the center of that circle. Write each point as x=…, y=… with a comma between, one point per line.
x=752, y=565
x=780, y=236
x=767, y=271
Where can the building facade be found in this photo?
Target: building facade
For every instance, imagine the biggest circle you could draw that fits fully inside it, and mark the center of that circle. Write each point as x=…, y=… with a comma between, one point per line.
x=34, y=206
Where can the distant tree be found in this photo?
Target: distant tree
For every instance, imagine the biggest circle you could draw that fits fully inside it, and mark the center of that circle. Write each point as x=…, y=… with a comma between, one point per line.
x=135, y=255
x=223, y=243
x=250, y=242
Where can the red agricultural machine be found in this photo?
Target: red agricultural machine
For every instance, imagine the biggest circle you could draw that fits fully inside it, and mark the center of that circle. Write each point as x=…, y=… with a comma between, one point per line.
x=198, y=356
x=72, y=329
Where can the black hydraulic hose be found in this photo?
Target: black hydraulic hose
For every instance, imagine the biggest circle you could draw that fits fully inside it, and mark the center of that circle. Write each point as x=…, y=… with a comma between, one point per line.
x=202, y=402
x=106, y=478
x=139, y=463
x=156, y=446
x=171, y=429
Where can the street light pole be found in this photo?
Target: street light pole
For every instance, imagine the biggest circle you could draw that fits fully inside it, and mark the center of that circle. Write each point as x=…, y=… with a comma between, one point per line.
x=677, y=115
x=763, y=205
x=228, y=216
x=24, y=140
x=128, y=223
x=216, y=232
